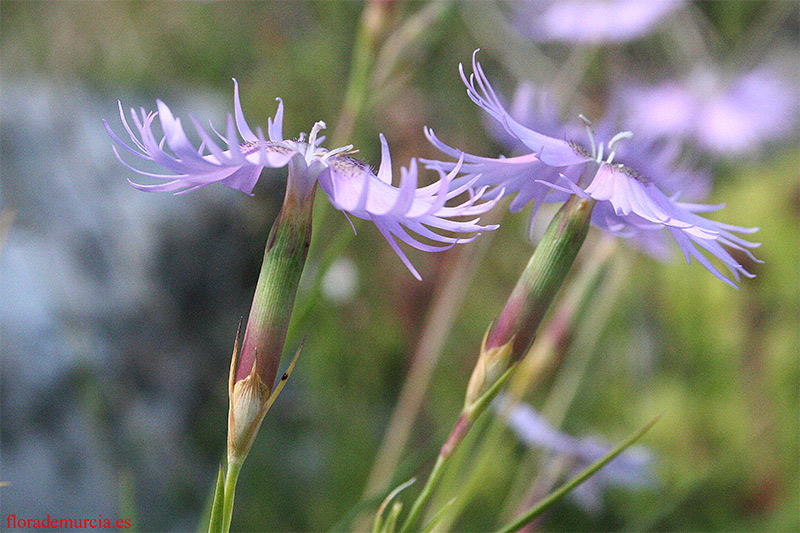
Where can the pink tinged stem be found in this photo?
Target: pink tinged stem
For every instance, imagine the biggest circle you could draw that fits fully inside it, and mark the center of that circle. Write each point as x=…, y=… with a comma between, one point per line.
x=284, y=258
x=543, y=276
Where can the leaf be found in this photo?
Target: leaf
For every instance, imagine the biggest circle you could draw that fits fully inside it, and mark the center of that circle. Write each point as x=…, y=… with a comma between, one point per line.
x=565, y=489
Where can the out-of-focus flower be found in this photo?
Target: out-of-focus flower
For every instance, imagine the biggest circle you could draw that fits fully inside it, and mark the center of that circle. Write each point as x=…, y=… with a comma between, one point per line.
x=730, y=116
x=340, y=282
x=632, y=468
x=350, y=184
x=629, y=203
x=589, y=21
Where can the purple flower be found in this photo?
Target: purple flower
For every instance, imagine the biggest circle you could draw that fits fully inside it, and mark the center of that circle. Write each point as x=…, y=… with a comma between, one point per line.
x=630, y=204
x=589, y=21
x=351, y=185
x=723, y=116
x=632, y=468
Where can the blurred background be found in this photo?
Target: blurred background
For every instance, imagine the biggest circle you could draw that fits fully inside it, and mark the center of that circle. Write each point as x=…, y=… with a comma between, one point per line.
x=118, y=308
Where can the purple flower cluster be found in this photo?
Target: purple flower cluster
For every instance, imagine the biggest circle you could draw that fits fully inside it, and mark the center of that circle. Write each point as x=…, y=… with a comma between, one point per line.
x=350, y=184
x=637, y=199
x=629, y=203
x=729, y=116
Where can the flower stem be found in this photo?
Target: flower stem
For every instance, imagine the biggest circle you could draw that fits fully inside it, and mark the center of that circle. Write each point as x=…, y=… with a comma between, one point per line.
x=427, y=490
x=439, y=320
x=462, y=426
x=231, y=476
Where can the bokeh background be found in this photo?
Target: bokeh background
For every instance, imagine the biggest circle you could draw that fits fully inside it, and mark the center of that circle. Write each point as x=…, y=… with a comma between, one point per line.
x=119, y=308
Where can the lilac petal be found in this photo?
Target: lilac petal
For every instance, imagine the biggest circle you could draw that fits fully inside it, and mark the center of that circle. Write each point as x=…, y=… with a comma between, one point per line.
x=555, y=152
x=191, y=169
x=275, y=127
x=217, y=152
x=233, y=141
x=408, y=186
x=689, y=250
x=399, y=232
x=403, y=257
x=385, y=169
x=244, y=179
x=356, y=190
x=177, y=140
x=513, y=174
x=241, y=123
x=625, y=191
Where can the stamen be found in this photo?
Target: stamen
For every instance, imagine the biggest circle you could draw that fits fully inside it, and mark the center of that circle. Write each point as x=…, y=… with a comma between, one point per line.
x=312, y=137
x=344, y=150
x=614, y=142
x=312, y=140
x=590, y=132
x=599, y=157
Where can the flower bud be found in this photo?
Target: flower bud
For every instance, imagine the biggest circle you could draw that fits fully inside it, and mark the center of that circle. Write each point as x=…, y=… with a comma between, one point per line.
x=542, y=277
x=249, y=398
x=492, y=362
x=254, y=368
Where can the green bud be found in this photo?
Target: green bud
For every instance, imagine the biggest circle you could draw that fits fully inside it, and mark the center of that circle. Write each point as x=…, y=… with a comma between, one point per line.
x=254, y=368
x=492, y=362
x=542, y=277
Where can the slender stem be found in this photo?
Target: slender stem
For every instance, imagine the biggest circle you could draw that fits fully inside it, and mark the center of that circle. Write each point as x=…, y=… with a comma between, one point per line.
x=464, y=423
x=214, y=522
x=425, y=495
x=231, y=476
x=554, y=340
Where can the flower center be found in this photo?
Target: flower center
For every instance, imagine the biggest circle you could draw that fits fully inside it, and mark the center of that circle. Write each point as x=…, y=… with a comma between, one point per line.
x=598, y=149
x=312, y=151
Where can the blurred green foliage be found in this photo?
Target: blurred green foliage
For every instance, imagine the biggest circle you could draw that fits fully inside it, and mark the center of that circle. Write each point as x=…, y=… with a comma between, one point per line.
x=721, y=365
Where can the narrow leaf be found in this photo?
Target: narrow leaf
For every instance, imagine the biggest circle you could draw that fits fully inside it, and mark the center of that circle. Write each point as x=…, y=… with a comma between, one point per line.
x=439, y=516
x=377, y=526
x=565, y=489
x=215, y=521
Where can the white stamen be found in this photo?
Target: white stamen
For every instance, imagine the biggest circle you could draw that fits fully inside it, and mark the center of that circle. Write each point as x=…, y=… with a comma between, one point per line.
x=600, y=149
x=312, y=137
x=344, y=150
x=312, y=140
x=614, y=142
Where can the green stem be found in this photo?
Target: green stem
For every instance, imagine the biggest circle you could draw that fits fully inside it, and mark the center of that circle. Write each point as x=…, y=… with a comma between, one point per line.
x=214, y=523
x=464, y=423
x=231, y=476
x=520, y=319
x=439, y=320
x=427, y=490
